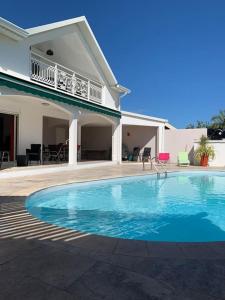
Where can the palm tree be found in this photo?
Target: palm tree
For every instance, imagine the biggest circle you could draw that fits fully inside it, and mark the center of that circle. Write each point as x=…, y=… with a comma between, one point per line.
x=218, y=121
x=190, y=126
x=202, y=124
x=199, y=124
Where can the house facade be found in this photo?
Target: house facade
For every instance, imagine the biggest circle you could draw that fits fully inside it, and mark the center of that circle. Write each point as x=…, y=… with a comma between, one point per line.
x=56, y=87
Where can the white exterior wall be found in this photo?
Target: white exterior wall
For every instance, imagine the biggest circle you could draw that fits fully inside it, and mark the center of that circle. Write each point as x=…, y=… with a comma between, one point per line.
x=140, y=136
x=14, y=57
x=30, y=125
x=74, y=47
x=30, y=113
x=182, y=140
x=219, y=148
x=139, y=120
x=111, y=98
x=146, y=131
x=15, y=61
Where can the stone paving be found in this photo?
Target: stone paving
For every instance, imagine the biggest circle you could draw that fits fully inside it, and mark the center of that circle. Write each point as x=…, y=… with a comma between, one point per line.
x=43, y=261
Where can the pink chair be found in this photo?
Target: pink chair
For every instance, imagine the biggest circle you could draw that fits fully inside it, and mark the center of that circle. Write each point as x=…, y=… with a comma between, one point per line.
x=163, y=157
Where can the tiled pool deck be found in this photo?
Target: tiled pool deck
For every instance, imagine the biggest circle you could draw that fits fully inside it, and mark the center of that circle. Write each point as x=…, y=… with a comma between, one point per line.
x=41, y=261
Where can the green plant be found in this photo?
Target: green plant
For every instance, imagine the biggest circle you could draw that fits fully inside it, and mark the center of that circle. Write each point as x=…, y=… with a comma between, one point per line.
x=204, y=150
x=218, y=121
x=198, y=124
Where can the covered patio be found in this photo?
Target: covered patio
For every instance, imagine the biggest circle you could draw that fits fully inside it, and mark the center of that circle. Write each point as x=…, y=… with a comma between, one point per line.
x=45, y=132
x=140, y=131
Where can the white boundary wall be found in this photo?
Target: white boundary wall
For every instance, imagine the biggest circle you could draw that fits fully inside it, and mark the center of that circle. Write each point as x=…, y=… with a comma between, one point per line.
x=182, y=140
x=219, y=148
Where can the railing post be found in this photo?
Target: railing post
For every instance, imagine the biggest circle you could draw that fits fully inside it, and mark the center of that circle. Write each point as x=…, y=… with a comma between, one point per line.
x=88, y=96
x=30, y=64
x=73, y=83
x=56, y=76
x=102, y=94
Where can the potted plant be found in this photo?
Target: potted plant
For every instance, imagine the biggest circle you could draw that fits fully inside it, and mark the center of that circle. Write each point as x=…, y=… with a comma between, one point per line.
x=204, y=151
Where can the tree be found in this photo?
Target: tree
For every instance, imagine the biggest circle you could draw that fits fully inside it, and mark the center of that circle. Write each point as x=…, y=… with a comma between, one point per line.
x=190, y=126
x=199, y=124
x=202, y=124
x=218, y=121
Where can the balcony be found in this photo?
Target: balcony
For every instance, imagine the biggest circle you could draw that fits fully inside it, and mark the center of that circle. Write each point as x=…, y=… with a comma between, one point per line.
x=63, y=79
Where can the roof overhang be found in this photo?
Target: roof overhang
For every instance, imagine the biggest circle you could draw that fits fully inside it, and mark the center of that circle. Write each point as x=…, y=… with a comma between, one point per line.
x=132, y=119
x=169, y=126
x=144, y=117
x=12, y=31
x=17, y=33
x=90, y=39
x=40, y=91
x=121, y=89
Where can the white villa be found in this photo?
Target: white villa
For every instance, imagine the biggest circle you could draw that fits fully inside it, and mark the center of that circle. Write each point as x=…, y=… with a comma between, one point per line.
x=56, y=87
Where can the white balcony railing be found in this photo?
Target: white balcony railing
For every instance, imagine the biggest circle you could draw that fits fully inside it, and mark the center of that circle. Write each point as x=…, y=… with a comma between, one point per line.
x=61, y=78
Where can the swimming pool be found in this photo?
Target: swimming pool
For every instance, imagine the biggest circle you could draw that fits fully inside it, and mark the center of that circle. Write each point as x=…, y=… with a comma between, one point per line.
x=184, y=207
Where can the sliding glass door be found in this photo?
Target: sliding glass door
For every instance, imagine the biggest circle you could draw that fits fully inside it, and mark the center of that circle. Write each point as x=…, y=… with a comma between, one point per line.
x=7, y=136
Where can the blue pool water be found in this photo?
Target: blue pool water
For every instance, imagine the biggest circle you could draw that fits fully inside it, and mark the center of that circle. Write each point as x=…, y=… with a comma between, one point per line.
x=187, y=207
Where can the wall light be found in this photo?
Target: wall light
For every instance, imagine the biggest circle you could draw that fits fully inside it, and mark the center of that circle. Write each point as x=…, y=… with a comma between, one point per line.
x=49, y=52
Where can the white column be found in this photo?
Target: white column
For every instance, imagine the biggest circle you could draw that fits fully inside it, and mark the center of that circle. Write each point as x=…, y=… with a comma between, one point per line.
x=116, y=142
x=120, y=143
x=78, y=134
x=79, y=141
x=160, y=138
x=73, y=140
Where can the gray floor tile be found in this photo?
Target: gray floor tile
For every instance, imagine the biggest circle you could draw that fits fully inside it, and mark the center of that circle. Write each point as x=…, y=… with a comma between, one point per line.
x=106, y=280
x=136, y=248
x=58, y=268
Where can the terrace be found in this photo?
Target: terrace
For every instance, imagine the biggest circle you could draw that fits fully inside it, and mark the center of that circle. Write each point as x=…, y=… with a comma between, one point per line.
x=63, y=79
x=43, y=259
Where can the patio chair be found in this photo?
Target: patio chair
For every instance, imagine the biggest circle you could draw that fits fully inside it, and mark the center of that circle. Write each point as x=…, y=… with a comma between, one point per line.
x=146, y=156
x=34, y=153
x=54, y=151
x=136, y=154
x=163, y=157
x=58, y=152
x=183, y=159
x=4, y=156
x=125, y=152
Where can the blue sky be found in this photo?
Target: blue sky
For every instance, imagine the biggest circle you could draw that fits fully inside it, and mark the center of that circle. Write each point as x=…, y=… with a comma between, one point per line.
x=171, y=54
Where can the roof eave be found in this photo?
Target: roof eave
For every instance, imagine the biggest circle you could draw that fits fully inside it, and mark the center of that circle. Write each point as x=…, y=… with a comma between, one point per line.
x=144, y=117
x=94, y=45
x=17, y=33
x=121, y=89
x=92, y=42
x=12, y=31
x=52, y=26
